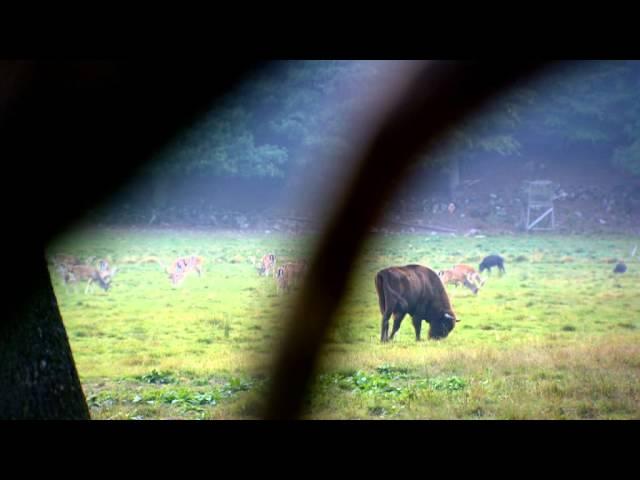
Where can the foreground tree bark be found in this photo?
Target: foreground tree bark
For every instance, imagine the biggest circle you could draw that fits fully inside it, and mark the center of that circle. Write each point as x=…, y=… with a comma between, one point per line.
x=454, y=176
x=72, y=132
x=38, y=378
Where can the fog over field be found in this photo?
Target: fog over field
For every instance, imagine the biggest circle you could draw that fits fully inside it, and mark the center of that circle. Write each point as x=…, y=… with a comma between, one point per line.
x=175, y=292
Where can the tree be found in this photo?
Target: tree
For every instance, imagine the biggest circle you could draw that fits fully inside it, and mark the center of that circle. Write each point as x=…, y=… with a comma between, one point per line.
x=628, y=157
x=579, y=106
x=492, y=130
x=591, y=104
x=222, y=144
x=301, y=112
x=72, y=132
x=39, y=378
x=292, y=113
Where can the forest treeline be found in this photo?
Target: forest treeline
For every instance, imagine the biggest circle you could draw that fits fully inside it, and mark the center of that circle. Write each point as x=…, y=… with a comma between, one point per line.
x=297, y=113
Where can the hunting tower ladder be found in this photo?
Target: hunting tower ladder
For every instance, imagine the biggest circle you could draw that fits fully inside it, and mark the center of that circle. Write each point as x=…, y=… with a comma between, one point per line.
x=540, y=205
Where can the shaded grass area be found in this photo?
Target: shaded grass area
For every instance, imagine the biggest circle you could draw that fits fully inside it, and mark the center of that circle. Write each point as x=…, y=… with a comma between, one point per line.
x=556, y=337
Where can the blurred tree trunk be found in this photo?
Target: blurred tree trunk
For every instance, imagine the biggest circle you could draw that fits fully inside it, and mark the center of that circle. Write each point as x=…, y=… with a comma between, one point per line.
x=38, y=377
x=160, y=189
x=454, y=175
x=60, y=121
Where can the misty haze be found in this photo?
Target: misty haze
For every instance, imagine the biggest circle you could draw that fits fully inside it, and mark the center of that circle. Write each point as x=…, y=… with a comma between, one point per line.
x=175, y=292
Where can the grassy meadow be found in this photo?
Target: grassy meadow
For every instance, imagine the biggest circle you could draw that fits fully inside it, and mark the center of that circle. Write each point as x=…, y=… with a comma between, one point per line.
x=557, y=337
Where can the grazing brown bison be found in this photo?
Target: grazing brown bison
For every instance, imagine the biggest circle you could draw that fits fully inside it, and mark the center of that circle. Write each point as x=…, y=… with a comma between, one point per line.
x=419, y=292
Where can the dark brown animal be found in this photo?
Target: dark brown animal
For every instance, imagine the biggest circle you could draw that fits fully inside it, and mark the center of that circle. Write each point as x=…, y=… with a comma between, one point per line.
x=419, y=292
x=620, y=267
x=492, y=261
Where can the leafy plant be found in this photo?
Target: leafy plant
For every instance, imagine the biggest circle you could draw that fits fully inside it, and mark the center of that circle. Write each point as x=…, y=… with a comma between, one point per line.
x=156, y=377
x=450, y=384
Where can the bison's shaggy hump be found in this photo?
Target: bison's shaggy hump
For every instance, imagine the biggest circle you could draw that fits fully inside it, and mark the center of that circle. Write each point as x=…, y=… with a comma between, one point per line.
x=418, y=291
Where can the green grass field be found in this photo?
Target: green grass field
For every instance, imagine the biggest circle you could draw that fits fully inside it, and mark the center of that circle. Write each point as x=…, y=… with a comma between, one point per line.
x=557, y=337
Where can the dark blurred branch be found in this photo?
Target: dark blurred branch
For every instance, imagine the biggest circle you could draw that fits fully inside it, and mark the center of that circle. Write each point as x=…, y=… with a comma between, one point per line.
x=440, y=95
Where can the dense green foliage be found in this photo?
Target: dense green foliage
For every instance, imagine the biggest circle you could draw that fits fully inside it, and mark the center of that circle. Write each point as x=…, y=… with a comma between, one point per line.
x=556, y=337
x=297, y=112
x=282, y=116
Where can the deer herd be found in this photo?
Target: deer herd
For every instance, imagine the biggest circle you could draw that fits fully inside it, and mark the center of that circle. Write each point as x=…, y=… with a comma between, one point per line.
x=72, y=270
x=286, y=275
x=413, y=289
x=100, y=272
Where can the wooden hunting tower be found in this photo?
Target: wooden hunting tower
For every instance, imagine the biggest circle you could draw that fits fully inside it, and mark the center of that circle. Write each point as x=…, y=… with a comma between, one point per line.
x=540, y=205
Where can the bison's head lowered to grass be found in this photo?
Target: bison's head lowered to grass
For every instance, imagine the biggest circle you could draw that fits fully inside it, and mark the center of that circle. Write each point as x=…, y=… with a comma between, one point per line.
x=419, y=292
x=441, y=327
